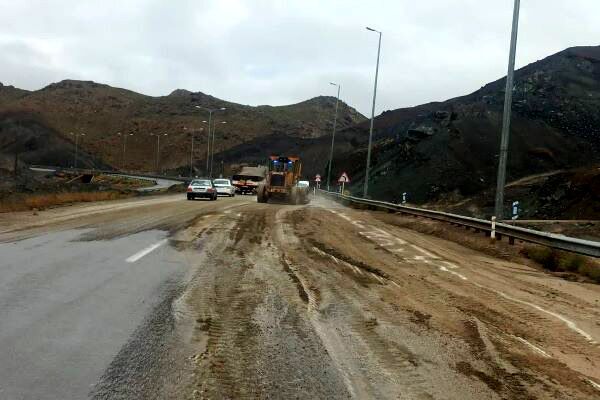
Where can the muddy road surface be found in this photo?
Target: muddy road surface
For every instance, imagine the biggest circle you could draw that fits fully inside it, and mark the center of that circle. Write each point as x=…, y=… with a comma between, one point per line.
x=163, y=298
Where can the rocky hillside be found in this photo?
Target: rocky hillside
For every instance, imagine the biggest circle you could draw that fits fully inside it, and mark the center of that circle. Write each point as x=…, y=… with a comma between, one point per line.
x=450, y=149
x=100, y=111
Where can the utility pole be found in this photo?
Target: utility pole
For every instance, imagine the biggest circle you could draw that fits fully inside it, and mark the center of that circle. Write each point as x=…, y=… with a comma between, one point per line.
x=499, y=209
x=366, y=188
x=333, y=135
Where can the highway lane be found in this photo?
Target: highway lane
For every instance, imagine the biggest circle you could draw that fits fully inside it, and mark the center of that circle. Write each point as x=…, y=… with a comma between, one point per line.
x=72, y=297
x=160, y=297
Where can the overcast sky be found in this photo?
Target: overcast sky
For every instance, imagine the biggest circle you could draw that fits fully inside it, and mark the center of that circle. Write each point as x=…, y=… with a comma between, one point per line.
x=282, y=52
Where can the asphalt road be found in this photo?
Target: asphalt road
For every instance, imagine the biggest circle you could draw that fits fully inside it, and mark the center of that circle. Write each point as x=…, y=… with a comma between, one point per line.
x=163, y=298
x=72, y=297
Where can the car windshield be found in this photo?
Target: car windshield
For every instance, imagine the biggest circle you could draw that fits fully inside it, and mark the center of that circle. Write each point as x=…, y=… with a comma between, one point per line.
x=201, y=182
x=221, y=182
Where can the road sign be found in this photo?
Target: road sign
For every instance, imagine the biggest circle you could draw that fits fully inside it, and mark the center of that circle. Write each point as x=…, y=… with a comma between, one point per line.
x=344, y=178
x=318, y=178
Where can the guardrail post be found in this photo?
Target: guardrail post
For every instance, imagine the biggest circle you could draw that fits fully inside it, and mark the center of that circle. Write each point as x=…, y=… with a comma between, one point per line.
x=493, y=232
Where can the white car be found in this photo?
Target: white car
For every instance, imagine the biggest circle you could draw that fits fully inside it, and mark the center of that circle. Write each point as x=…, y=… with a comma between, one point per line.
x=201, y=188
x=303, y=184
x=224, y=187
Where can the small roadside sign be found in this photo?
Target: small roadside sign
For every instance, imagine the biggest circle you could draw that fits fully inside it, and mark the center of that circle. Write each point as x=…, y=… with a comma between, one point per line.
x=344, y=178
x=318, y=178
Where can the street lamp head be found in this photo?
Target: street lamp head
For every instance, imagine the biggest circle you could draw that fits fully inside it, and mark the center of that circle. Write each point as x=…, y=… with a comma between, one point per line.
x=222, y=108
x=332, y=83
x=371, y=29
x=197, y=106
x=223, y=122
x=204, y=121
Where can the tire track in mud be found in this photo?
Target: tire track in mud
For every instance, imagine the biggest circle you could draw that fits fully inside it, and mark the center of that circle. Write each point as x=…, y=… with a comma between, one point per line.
x=223, y=303
x=256, y=344
x=517, y=384
x=388, y=369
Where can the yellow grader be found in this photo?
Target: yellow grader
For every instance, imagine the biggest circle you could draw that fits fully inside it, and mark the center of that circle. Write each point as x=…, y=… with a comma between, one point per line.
x=281, y=182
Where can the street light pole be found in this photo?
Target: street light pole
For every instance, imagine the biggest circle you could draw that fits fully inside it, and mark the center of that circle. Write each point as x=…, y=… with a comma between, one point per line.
x=192, y=158
x=366, y=188
x=158, y=152
x=121, y=137
x=208, y=142
x=333, y=135
x=124, y=147
x=76, y=147
x=157, y=159
x=212, y=153
x=208, y=147
x=499, y=206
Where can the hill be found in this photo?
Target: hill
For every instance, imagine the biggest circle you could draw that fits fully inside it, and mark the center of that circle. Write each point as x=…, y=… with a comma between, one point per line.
x=101, y=111
x=450, y=149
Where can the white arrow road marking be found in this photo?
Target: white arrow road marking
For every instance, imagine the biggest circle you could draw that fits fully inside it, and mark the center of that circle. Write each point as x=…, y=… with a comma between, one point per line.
x=146, y=251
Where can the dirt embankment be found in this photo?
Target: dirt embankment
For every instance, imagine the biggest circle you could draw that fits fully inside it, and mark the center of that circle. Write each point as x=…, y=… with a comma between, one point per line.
x=37, y=191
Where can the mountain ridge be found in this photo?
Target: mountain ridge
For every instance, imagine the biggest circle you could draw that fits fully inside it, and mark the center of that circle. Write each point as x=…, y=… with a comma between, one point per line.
x=450, y=148
x=101, y=111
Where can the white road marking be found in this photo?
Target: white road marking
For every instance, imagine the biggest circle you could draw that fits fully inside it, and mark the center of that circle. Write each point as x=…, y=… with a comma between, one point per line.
x=569, y=323
x=464, y=278
x=347, y=218
x=358, y=224
x=534, y=347
x=423, y=251
x=146, y=251
x=450, y=265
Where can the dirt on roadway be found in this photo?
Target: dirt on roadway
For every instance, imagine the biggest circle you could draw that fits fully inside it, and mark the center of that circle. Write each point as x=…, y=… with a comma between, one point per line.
x=327, y=302
x=323, y=301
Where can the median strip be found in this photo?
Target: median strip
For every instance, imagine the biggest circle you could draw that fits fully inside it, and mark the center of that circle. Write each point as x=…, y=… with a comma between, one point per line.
x=146, y=251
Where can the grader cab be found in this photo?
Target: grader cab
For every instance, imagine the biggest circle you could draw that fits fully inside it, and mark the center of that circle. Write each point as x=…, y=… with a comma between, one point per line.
x=281, y=182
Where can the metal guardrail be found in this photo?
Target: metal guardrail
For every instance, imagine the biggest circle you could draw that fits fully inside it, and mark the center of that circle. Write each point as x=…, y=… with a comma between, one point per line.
x=561, y=242
x=112, y=172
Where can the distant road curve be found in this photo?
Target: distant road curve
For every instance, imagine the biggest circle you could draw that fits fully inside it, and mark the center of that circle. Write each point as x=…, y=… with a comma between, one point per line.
x=160, y=183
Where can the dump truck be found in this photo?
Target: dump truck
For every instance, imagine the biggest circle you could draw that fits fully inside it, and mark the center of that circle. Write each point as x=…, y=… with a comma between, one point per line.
x=248, y=179
x=281, y=181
